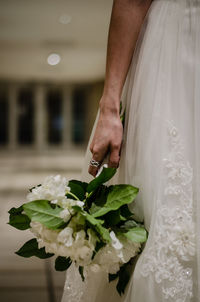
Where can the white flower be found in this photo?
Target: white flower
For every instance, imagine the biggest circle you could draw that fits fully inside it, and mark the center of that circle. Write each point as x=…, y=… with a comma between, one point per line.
x=49, y=235
x=95, y=268
x=107, y=258
x=110, y=257
x=92, y=237
x=36, y=228
x=41, y=243
x=64, y=251
x=80, y=237
x=130, y=249
x=83, y=254
x=41, y=232
x=115, y=241
x=79, y=203
x=51, y=247
x=65, y=236
x=65, y=215
x=68, y=205
x=44, y=235
x=82, y=249
x=53, y=189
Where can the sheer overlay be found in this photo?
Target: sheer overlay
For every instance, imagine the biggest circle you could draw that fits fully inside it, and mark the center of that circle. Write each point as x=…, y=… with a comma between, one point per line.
x=161, y=156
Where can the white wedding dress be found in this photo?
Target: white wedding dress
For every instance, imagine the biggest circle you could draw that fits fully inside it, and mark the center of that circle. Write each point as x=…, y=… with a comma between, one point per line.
x=161, y=156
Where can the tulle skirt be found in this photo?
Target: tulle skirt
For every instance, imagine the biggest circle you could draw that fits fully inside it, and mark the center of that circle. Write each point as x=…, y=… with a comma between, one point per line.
x=160, y=155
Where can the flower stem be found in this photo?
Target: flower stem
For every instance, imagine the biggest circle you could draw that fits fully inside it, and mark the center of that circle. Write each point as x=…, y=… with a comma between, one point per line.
x=72, y=194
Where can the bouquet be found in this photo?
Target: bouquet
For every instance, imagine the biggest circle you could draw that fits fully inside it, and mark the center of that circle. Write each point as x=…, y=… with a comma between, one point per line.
x=89, y=224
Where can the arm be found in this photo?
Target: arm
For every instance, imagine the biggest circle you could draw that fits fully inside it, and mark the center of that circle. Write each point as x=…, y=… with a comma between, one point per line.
x=126, y=20
x=125, y=24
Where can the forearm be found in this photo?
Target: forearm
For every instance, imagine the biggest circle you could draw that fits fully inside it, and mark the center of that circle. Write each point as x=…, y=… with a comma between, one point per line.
x=126, y=21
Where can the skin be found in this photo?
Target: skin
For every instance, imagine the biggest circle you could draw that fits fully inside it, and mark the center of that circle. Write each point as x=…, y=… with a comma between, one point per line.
x=126, y=20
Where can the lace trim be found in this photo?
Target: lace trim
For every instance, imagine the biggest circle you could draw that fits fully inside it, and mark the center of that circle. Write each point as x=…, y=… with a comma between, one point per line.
x=173, y=245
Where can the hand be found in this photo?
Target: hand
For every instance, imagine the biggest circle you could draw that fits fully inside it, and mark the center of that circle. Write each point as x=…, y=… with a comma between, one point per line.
x=107, y=139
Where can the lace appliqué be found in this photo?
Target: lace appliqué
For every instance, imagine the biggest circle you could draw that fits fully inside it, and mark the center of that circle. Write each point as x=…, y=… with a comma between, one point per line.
x=173, y=247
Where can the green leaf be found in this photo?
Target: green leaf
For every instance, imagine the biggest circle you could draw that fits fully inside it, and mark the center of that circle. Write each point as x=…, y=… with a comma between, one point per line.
x=94, y=208
x=98, y=198
x=96, y=224
x=77, y=208
x=16, y=211
x=112, y=277
x=30, y=248
x=92, y=219
x=18, y=220
x=124, y=277
x=62, y=263
x=113, y=218
x=78, y=188
x=122, y=117
x=129, y=224
x=137, y=234
x=120, y=107
x=125, y=212
x=80, y=269
x=117, y=197
x=41, y=211
x=104, y=176
x=122, y=114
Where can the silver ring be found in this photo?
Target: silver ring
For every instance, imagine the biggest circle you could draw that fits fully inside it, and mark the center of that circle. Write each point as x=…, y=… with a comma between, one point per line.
x=94, y=163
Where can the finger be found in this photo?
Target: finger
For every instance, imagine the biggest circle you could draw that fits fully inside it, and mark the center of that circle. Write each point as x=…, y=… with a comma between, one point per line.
x=91, y=147
x=114, y=157
x=97, y=155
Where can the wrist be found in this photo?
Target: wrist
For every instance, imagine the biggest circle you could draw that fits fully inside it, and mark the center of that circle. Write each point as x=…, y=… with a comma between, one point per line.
x=109, y=105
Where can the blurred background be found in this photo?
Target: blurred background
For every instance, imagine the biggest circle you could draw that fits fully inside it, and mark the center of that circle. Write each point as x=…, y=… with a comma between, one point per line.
x=52, y=62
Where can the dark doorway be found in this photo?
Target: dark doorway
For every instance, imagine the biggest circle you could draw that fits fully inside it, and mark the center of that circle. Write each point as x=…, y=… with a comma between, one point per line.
x=79, y=113
x=54, y=117
x=25, y=107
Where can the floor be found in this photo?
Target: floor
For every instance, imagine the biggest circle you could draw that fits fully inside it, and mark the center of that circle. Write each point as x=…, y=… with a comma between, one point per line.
x=28, y=279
